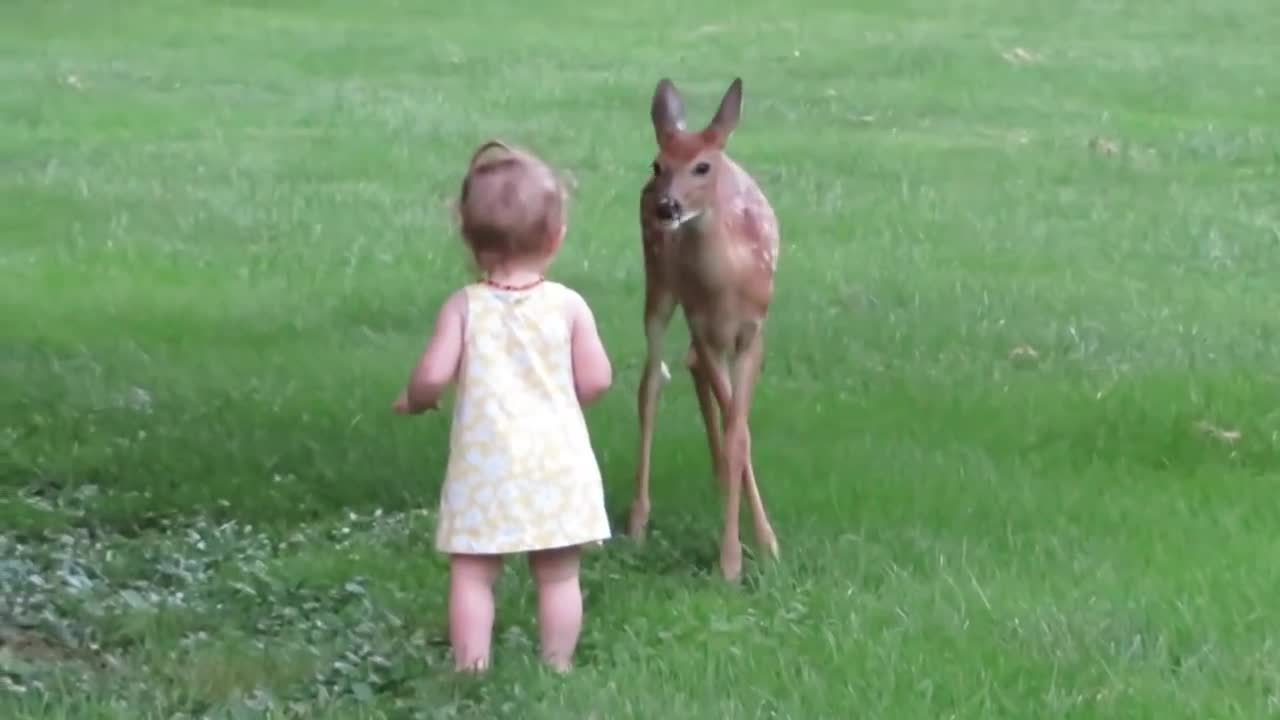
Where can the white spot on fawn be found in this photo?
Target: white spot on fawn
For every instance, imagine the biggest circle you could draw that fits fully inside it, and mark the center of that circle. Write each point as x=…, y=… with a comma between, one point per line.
x=1220, y=434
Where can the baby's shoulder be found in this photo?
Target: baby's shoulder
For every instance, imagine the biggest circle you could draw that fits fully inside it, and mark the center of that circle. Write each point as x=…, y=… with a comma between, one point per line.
x=459, y=299
x=570, y=300
x=454, y=306
x=564, y=292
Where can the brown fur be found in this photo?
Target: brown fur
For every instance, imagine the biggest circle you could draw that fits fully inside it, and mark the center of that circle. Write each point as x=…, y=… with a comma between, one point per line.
x=718, y=265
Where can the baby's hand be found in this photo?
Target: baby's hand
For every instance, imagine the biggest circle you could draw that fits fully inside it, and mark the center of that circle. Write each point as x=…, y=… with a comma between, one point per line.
x=401, y=405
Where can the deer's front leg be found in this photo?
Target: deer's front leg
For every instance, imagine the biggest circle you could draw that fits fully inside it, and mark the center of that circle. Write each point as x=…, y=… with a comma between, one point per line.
x=743, y=371
x=658, y=308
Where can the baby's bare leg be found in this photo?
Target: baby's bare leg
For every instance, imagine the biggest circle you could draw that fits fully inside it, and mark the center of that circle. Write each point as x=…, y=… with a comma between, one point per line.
x=471, y=579
x=559, y=603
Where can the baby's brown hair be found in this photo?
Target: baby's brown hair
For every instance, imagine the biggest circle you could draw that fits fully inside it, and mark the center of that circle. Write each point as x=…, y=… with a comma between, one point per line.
x=512, y=205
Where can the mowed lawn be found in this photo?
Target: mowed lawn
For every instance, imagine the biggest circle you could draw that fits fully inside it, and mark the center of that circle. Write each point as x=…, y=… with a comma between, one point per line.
x=1017, y=430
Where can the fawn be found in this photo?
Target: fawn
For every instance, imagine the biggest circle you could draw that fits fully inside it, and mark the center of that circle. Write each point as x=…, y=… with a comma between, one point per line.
x=711, y=246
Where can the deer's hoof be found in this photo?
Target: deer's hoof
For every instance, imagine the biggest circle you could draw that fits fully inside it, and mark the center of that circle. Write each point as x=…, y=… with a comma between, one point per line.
x=770, y=543
x=638, y=523
x=731, y=563
x=772, y=548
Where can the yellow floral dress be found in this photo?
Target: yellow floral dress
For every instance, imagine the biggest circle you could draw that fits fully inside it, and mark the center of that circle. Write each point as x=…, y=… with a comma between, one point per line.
x=521, y=474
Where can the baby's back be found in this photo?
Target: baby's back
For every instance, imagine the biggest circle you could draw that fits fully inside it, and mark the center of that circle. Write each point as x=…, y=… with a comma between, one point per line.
x=516, y=385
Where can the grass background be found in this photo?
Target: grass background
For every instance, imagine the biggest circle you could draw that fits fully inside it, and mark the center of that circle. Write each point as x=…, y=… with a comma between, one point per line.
x=224, y=233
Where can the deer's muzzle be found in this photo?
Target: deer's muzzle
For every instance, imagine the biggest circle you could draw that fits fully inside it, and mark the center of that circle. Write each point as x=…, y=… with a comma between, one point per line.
x=667, y=210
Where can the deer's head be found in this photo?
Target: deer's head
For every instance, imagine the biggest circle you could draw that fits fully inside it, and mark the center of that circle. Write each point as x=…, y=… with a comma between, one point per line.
x=688, y=163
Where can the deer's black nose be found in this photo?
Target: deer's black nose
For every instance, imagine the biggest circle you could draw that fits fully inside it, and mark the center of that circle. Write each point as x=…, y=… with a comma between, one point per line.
x=667, y=209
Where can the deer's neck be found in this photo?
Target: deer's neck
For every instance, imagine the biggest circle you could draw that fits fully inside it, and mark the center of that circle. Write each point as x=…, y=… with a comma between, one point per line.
x=701, y=224
x=705, y=257
x=702, y=234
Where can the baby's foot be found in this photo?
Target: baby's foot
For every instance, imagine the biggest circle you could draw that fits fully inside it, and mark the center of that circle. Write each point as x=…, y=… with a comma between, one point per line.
x=475, y=666
x=560, y=665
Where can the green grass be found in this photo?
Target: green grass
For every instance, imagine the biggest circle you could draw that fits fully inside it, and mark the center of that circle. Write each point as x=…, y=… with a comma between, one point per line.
x=224, y=232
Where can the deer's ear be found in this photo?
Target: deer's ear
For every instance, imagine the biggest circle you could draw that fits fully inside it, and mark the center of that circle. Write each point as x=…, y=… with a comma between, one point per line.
x=667, y=111
x=726, y=119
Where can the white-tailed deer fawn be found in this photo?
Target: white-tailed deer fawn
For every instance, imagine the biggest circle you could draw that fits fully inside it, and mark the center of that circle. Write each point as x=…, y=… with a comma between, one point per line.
x=711, y=247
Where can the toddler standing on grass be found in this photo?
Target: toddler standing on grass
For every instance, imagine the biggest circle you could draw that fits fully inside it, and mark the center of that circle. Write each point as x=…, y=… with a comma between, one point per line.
x=526, y=356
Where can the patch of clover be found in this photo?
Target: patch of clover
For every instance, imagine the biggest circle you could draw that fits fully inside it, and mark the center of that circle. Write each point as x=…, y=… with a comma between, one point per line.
x=61, y=591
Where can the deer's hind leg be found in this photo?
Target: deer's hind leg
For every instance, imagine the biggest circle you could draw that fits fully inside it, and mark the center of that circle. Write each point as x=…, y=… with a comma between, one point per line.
x=738, y=473
x=712, y=401
x=765, y=536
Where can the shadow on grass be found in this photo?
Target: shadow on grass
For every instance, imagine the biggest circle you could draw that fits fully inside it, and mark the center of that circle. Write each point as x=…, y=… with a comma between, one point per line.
x=675, y=546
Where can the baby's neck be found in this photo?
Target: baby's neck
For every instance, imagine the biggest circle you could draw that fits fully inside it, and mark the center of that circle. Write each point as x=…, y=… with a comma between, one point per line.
x=515, y=276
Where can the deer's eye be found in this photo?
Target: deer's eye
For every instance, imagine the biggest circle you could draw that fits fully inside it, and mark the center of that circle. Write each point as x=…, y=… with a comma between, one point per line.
x=702, y=168
x=657, y=169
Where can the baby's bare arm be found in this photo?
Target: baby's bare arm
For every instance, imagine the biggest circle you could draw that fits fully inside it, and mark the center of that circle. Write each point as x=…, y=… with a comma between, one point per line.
x=592, y=373
x=438, y=367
